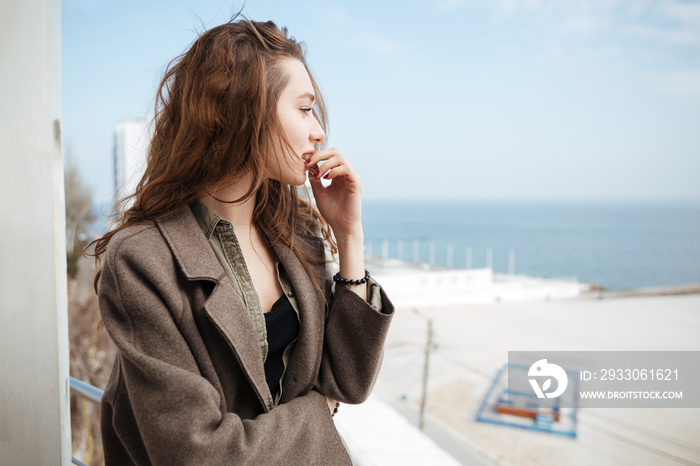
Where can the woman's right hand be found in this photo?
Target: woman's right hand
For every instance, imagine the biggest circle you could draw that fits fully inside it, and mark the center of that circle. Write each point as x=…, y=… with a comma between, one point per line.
x=331, y=404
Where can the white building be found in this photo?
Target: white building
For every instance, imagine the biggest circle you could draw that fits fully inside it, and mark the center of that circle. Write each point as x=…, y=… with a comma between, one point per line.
x=131, y=140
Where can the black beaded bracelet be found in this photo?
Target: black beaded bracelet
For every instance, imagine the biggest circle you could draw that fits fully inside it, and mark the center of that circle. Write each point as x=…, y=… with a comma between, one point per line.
x=347, y=281
x=335, y=410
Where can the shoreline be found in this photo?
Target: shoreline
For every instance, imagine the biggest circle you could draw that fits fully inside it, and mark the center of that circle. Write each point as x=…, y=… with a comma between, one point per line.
x=602, y=293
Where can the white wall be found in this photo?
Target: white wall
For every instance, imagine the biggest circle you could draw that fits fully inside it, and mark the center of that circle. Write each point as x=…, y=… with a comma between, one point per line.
x=435, y=288
x=34, y=390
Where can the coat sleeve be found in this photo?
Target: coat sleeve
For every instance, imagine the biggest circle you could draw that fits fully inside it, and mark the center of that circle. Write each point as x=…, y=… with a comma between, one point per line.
x=173, y=409
x=354, y=339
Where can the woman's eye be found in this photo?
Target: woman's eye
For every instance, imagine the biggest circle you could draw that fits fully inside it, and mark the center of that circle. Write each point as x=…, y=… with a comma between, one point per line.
x=306, y=110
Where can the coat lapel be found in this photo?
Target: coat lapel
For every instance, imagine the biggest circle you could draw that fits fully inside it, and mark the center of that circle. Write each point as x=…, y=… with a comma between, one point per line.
x=224, y=306
x=227, y=311
x=302, y=368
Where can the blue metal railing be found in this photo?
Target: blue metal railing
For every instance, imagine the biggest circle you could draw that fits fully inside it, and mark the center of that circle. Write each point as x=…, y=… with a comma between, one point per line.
x=87, y=392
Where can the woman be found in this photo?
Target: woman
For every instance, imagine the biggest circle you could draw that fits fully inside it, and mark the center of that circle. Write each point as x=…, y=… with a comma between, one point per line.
x=233, y=345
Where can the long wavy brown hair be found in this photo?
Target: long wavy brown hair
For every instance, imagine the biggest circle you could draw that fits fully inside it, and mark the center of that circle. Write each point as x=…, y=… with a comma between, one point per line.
x=215, y=118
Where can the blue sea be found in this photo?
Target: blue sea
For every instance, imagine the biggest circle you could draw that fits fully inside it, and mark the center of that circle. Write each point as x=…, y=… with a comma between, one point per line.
x=619, y=245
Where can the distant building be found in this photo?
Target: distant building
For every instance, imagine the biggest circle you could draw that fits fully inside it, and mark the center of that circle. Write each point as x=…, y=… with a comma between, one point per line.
x=131, y=140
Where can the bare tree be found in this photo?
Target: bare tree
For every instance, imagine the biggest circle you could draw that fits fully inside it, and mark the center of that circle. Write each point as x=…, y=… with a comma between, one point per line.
x=79, y=213
x=91, y=350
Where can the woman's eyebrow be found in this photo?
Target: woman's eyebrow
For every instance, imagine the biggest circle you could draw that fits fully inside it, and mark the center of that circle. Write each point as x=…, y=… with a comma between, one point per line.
x=308, y=95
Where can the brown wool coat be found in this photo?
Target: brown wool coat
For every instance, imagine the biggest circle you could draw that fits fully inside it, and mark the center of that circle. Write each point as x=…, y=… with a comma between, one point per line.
x=188, y=381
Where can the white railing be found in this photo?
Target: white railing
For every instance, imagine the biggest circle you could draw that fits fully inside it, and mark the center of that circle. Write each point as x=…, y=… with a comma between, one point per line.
x=450, y=254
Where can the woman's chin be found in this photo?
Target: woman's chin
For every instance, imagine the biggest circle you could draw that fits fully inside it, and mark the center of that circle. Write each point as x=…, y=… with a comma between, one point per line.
x=298, y=180
x=292, y=179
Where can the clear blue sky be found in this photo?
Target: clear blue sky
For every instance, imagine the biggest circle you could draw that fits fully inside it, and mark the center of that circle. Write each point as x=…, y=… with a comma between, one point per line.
x=442, y=99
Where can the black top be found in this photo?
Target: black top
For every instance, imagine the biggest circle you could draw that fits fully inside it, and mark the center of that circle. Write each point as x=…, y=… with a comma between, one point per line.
x=282, y=326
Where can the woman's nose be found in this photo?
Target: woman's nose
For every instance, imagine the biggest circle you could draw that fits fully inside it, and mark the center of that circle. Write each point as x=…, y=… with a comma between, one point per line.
x=317, y=134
